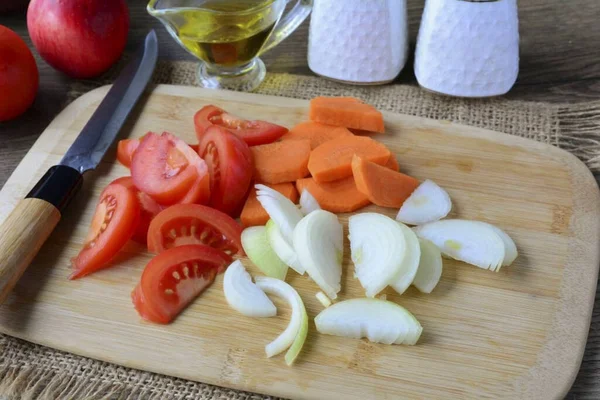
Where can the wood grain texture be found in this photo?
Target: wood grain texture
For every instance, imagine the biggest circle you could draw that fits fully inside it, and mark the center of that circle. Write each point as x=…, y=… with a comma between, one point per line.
x=519, y=333
x=22, y=235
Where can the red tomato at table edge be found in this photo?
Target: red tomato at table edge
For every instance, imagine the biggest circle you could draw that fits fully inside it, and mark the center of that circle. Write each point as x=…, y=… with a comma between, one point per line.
x=253, y=132
x=19, y=77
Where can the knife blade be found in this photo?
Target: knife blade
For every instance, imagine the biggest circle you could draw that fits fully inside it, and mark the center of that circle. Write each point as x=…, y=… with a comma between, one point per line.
x=104, y=125
x=34, y=218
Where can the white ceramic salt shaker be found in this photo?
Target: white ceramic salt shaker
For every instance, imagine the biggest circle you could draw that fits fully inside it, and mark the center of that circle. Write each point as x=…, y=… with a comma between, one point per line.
x=358, y=41
x=468, y=48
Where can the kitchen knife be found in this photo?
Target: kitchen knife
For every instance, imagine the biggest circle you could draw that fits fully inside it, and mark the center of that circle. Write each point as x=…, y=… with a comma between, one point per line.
x=34, y=218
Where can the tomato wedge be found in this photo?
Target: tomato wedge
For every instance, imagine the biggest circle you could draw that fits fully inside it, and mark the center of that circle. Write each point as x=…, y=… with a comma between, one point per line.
x=127, y=147
x=114, y=222
x=125, y=151
x=148, y=210
x=230, y=165
x=174, y=278
x=183, y=224
x=169, y=170
x=251, y=132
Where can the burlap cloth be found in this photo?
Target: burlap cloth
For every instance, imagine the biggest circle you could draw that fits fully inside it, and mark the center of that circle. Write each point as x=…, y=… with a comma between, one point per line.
x=30, y=371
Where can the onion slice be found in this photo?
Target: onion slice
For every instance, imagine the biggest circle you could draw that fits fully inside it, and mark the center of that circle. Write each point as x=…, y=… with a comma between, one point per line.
x=308, y=203
x=427, y=203
x=473, y=242
x=378, y=248
x=256, y=245
x=430, y=267
x=295, y=333
x=410, y=262
x=319, y=243
x=282, y=248
x=323, y=299
x=379, y=321
x=282, y=211
x=510, y=248
x=243, y=295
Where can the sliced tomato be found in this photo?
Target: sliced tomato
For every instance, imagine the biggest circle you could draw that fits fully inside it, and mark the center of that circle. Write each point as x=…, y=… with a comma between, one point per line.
x=148, y=210
x=114, y=222
x=125, y=151
x=174, y=278
x=251, y=132
x=170, y=171
x=127, y=147
x=230, y=166
x=183, y=224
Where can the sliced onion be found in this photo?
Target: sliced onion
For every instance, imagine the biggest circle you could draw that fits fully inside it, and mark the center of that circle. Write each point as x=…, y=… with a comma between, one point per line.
x=319, y=243
x=427, y=203
x=473, y=242
x=410, y=262
x=256, y=245
x=379, y=321
x=308, y=203
x=282, y=211
x=295, y=333
x=282, y=248
x=430, y=267
x=243, y=295
x=510, y=248
x=323, y=299
x=378, y=248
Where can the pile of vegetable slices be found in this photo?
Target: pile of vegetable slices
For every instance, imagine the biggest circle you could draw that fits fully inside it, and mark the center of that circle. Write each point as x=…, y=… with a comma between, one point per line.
x=182, y=201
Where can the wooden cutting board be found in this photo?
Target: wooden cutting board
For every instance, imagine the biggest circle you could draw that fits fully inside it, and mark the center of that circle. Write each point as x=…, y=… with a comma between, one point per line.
x=519, y=333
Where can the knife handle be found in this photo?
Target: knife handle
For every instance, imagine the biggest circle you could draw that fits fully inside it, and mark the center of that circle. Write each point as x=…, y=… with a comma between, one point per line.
x=29, y=225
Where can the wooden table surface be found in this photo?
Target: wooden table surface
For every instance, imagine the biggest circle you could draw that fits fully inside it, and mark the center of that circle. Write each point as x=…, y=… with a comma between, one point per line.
x=560, y=62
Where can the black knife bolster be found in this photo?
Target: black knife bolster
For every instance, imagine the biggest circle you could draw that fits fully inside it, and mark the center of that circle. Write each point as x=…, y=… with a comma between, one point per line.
x=58, y=186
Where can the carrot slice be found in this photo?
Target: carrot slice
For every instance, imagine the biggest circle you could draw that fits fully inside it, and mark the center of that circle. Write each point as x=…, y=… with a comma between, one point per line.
x=333, y=159
x=316, y=132
x=281, y=162
x=254, y=214
x=393, y=164
x=344, y=112
x=383, y=186
x=337, y=196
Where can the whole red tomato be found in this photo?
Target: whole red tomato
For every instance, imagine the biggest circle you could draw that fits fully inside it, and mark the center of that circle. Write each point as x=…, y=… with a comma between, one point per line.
x=81, y=38
x=18, y=75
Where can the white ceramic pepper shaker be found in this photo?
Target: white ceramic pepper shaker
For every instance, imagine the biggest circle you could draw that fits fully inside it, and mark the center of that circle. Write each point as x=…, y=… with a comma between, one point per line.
x=358, y=41
x=468, y=48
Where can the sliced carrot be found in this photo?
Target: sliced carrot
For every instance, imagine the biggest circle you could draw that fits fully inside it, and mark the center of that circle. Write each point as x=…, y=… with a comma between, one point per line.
x=343, y=112
x=393, y=163
x=280, y=162
x=337, y=196
x=316, y=132
x=333, y=159
x=254, y=214
x=383, y=186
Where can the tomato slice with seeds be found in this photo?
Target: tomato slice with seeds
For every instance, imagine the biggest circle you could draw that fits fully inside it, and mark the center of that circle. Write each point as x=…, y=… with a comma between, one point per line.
x=148, y=210
x=230, y=166
x=114, y=222
x=170, y=171
x=174, y=278
x=183, y=224
x=127, y=147
x=252, y=132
